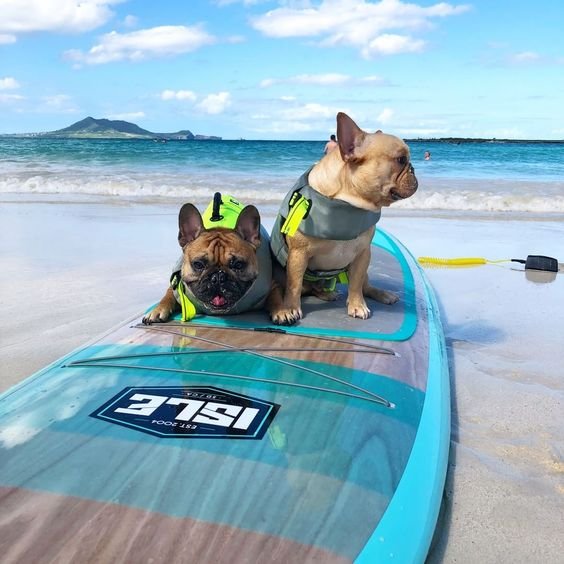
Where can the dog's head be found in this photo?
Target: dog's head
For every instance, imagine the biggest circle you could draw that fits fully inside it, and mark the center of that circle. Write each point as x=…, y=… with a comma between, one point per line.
x=219, y=265
x=378, y=171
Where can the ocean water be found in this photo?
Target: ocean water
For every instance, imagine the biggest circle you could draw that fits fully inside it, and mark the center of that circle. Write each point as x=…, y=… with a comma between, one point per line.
x=483, y=177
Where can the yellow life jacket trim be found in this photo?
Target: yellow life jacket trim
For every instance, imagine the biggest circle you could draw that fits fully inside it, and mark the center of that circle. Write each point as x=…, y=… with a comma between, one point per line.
x=298, y=210
x=188, y=308
x=343, y=278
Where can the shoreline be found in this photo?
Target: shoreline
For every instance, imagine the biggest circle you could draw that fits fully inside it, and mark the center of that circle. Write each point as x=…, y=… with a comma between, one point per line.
x=267, y=208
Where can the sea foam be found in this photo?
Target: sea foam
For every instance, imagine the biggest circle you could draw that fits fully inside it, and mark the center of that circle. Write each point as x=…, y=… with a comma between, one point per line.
x=432, y=195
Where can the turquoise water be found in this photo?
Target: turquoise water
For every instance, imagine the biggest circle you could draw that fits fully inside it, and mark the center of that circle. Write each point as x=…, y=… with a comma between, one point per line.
x=468, y=176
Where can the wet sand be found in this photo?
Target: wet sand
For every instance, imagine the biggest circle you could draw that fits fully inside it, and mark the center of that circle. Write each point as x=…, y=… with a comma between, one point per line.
x=71, y=271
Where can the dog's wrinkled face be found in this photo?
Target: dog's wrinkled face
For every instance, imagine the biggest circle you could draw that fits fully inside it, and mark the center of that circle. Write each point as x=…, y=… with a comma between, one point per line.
x=219, y=265
x=379, y=168
x=391, y=171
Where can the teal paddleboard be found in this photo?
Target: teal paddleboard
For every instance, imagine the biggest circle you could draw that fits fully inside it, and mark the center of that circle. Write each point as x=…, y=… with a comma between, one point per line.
x=232, y=440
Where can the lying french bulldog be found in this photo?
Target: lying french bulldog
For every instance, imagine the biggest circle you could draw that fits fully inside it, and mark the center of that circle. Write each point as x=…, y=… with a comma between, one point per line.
x=225, y=266
x=327, y=221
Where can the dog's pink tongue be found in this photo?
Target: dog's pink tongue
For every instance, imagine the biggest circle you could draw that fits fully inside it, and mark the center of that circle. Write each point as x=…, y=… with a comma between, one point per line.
x=219, y=301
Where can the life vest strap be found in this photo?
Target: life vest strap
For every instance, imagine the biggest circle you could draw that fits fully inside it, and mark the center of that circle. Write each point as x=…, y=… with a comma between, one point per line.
x=188, y=309
x=329, y=279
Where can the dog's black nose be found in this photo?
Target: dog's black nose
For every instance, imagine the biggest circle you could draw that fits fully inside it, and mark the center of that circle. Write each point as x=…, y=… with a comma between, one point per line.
x=218, y=277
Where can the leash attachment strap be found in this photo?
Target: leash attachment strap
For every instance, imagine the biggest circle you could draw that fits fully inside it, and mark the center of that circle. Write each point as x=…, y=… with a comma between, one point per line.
x=188, y=309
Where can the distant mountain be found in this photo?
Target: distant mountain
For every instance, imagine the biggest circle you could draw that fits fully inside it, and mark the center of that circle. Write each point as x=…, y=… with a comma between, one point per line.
x=116, y=129
x=102, y=127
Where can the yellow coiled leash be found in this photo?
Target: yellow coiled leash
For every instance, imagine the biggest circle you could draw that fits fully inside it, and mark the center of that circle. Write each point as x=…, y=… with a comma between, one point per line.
x=532, y=262
x=464, y=261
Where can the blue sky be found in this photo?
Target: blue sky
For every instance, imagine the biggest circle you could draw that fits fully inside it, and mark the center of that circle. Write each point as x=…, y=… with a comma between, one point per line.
x=262, y=69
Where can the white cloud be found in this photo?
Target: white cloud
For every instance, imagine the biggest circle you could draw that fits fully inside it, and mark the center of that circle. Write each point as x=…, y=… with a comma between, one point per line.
x=5, y=98
x=268, y=82
x=389, y=44
x=500, y=133
x=143, y=44
x=385, y=116
x=328, y=79
x=178, y=95
x=211, y=104
x=58, y=103
x=288, y=117
x=235, y=39
x=422, y=132
x=245, y=2
x=309, y=112
x=283, y=127
x=373, y=79
x=215, y=103
x=70, y=16
x=6, y=38
x=526, y=57
x=128, y=116
x=356, y=23
x=130, y=21
x=9, y=83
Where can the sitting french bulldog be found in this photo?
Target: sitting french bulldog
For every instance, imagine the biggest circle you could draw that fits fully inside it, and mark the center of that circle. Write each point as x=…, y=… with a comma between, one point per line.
x=225, y=266
x=327, y=221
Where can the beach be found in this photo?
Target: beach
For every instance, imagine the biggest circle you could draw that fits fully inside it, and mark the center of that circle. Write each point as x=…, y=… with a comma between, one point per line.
x=72, y=268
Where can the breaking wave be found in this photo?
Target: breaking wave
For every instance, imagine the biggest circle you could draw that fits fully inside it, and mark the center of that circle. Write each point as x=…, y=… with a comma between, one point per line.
x=542, y=197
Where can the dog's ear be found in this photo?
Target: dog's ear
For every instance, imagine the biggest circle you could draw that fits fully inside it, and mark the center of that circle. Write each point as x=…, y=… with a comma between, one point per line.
x=248, y=225
x=190, y=224
x=350, y=137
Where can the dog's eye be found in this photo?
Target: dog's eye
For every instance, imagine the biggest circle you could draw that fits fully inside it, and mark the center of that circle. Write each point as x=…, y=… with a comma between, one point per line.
x=402, y=160
x=237, y=264
x=198, y=265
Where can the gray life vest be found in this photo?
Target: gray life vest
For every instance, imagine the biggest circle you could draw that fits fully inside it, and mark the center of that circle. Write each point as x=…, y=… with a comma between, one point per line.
x=326, y=218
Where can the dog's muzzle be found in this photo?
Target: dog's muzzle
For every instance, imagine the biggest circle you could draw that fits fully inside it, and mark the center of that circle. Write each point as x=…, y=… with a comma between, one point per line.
x=407, y=183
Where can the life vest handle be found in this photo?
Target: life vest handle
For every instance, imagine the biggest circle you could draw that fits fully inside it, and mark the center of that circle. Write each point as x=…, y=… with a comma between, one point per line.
x=216, y=216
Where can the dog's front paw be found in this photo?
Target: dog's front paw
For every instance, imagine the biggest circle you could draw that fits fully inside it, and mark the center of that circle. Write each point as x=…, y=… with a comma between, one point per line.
x=286, y=316
x=158, y=315
x=358, y=309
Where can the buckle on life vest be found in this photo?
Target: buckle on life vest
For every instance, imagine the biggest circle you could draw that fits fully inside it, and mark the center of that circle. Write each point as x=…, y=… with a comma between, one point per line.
x=188, y=309
x=329, y=281
x=298, y=210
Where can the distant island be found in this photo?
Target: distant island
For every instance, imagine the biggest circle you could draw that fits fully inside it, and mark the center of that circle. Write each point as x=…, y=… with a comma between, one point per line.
x=91, y=128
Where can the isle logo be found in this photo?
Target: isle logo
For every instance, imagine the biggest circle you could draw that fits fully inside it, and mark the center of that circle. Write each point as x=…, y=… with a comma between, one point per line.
x=189, y=412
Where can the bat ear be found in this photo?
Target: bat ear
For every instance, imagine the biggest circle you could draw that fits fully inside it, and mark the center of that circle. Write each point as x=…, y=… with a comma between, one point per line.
x=350, y=137
x=190, y=224
x=248, y=225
